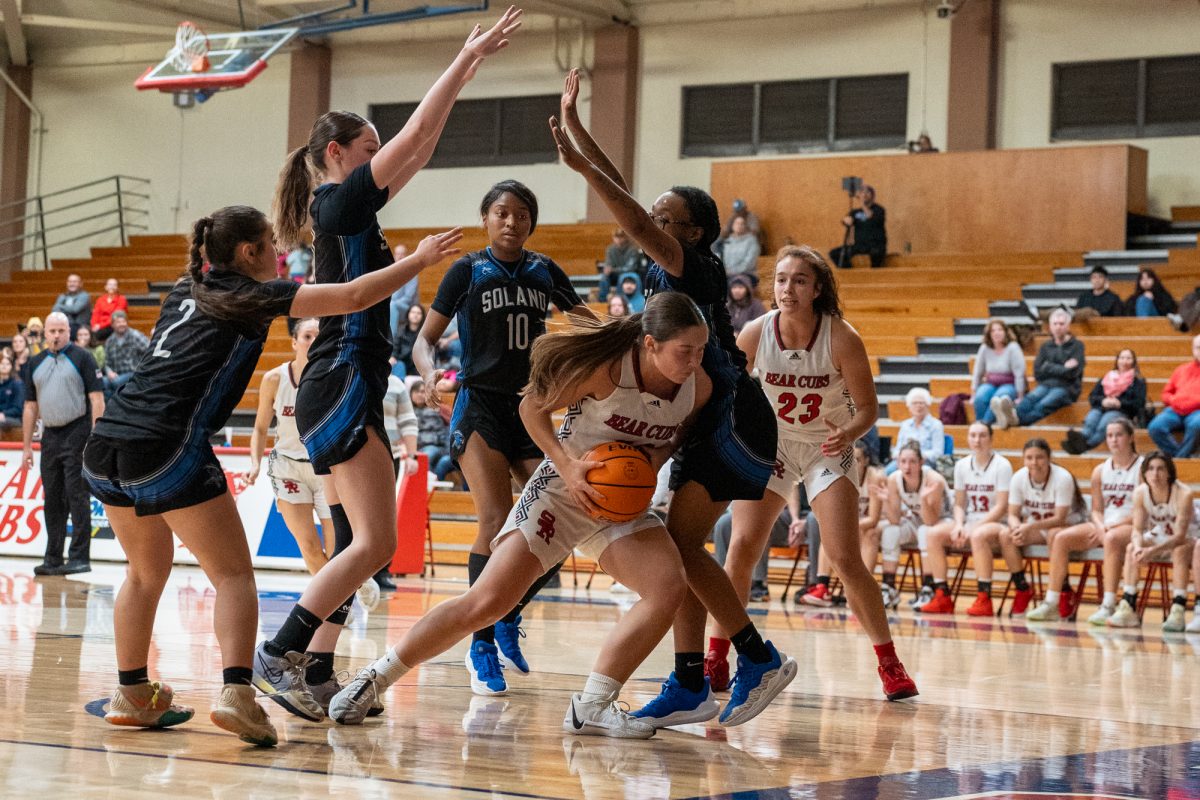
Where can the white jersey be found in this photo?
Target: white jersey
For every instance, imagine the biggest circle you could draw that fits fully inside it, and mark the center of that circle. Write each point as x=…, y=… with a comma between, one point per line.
x=287, y=438
x=1038, y=501
x=1160, y=517
x=803, y=386
x=982, y=484
x=910, y=501
x=1116, y=488
x=630, y=414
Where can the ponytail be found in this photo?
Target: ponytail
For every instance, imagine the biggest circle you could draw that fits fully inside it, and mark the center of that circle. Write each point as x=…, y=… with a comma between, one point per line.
x=196, y=252
x=289, y=208
x=215, y=239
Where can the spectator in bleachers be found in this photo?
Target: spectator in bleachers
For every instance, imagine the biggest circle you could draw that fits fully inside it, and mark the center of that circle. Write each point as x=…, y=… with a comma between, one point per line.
x=618, y=306
x=1181, y=401
x=743, y=305
x=753, y=224
x=122, y=352
x=1058, y=370
x=112, y=300
x=1043, y=498
x=433, y=435
x=923, y=144
x=631, y=290
x=449, y=349
x=621, y=256
x=1150, y=298
x=981, y=481
x=1120, y=393
x=740, y=252
x=300, y=263
x=1189, y=311
x=404, y=298
x=869, y=222
x=12, y=396
x=779, y=537
x=999, y=370
x=922, y=428
x=35, y=335
x=75, y=303
x=19, y=352
x=1100, y=300
x=1162, y=518
x=84, y=339
x=406, y=338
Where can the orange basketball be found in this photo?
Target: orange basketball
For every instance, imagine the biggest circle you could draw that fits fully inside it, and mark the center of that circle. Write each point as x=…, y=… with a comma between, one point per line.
x=627, y=480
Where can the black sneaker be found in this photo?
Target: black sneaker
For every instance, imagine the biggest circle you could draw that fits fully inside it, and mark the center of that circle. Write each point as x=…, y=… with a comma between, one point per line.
x=384, y=581
x=759, y=593
x=76, y=567
x=47, y=568
x=1075, y=443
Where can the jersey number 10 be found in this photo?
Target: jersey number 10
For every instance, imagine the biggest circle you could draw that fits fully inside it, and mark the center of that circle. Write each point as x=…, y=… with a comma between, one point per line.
x=788, y=403
x=518, y=331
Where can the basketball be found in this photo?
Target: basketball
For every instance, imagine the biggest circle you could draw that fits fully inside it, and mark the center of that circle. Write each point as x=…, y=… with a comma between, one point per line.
x=627, y=480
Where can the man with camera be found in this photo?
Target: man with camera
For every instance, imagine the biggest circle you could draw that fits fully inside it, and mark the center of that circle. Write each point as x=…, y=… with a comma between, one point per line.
x=870, y=236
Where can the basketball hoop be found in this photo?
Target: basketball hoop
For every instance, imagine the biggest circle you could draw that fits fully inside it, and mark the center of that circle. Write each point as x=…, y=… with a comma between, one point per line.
x=190, y=53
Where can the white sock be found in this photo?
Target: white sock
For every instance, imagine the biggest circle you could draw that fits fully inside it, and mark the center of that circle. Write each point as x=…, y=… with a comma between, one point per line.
x=1051, y=597
x=600, y=688
x=390, y=668
x=1110, y=600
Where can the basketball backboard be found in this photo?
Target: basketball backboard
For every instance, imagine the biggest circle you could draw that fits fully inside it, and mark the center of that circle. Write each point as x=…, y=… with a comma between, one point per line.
x=206, y=63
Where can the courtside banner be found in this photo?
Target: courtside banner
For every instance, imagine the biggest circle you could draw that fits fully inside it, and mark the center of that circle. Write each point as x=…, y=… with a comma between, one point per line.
x=23, y=522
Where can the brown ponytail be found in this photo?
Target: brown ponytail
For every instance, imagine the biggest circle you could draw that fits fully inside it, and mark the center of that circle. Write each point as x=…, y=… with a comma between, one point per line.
x=215, y=239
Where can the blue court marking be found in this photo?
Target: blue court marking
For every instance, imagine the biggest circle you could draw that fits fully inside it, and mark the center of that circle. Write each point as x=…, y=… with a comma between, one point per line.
x=193, y=759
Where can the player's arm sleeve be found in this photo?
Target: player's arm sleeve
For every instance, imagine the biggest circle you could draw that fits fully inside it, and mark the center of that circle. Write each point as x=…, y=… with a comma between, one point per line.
x=563, y=294
x=453, y=289
x=1003, y=475
x=279, y=296
x=349, y=208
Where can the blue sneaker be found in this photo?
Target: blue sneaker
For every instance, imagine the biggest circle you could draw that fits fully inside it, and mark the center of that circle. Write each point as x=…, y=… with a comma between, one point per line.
x=487, y=674
x=756, y=685
x=508, y=639
x=675, y=705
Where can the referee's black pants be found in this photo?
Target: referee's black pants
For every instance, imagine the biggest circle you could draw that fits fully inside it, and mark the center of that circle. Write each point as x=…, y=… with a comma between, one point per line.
x=65, y=490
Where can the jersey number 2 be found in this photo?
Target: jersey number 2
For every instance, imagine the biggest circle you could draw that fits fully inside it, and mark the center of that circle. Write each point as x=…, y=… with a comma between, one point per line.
x=188, y=307
x=788, y=403
x=518, y=331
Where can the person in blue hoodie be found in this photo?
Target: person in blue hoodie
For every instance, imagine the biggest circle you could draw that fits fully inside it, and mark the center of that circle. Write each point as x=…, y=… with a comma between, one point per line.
x=12, y=396
x=631, y=288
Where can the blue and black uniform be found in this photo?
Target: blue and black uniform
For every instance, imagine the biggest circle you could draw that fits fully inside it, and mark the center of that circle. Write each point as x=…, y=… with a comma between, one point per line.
x=501, y=308
x=730, y=451
x=341, y=392
x=150, y=450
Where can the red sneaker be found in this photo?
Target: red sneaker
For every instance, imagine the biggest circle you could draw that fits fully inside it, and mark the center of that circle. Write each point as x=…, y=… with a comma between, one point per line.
x=716, y=669
x=982, y=607
x=896, y=683
x=1066, y=603
x=942, y=603
x=1021, y=602
x=819, y=595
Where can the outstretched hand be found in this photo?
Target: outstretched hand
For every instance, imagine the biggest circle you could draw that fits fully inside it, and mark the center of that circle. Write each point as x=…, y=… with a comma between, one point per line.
x=483, y=43
x=567, y=150
x=569, y=113
x=435, y=247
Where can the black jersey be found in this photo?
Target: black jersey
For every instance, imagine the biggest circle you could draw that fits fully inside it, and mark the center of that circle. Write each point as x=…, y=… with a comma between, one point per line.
x=349, y=243
x=501, y=308
x=189, y=382
x=704, y=281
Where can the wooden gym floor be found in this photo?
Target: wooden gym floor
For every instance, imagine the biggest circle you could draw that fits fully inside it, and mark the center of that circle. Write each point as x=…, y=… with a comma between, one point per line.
x=1007, y=710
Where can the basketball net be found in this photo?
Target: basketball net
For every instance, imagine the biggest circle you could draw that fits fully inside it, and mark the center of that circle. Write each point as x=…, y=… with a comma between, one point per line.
x=190, y=53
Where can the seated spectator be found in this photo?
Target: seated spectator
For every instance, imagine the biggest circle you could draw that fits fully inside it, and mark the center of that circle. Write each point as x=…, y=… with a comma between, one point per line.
x=1058, y=370
x=20, y=353
x=780, y=537
x=631, y=290
x=999, y=370
x=621, y=256
x=84, y=339
x=112, y=300
x=1120, y=393
x=869, y=223
x=406, y=337
x=618, y=306
x=740, y=252
x=926, y=430
x=12, y=396
x=433, y=434
x=1162, y=517
x=75, y=303
x=753, y=224
x=1100, y=300
x=122, y=352
x=34, y=333
x=403, y=298
x=1181, y=398
x=1150, y=298
x=299, y=263
x=743, y=305
x=1189, y=311
x=923, y=144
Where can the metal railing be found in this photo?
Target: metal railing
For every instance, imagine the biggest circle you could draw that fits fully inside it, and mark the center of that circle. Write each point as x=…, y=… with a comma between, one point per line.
x=31, y=227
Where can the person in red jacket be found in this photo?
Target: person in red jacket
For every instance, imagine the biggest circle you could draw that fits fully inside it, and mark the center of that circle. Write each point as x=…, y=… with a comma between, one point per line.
x=1181, y=398
x=112, y=300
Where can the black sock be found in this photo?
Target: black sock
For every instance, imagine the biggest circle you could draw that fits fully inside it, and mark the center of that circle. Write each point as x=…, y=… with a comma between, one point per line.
x=1066, y=586
x=132, y=677
x=320, y=670
x=343, y=534
x=511, y=616
x=926, y=580
x=689, y=670
x=1019, y=581
x=341, y=613
x=889, y=579
x=475, y=564
x=295, y=633
x=985, y=587
x=750, y=644
x=943, y=585
x=237, y=675
x=1131, y=599
x=1181, y=600
x=823, y=580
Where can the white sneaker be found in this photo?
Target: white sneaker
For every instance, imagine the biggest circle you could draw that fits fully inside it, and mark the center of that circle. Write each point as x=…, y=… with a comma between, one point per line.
x=1101, y=615
x=998, y=413
x=353, y=704
x=1006, y=412
x=891, y=596
x=237, y=712
x=1174, y=621
x=368, y=594
x=923, y=597
x=1044, y=612
x=1194, y=625
x=1124, y=617
x=603, y=718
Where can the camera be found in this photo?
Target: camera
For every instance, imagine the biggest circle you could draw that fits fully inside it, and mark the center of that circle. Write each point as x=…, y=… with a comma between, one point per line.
x=852, y=185
x=945, y=9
